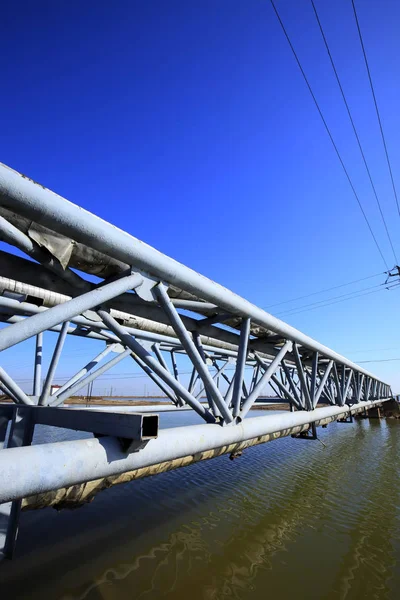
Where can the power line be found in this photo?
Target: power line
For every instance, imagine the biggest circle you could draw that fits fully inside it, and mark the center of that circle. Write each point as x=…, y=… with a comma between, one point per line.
x=363, y=362
x=329, y=133
x=355, y=130
x=363, y=351
x=376, y=106
x=335, y=302
x=341, y=300
x=290, y=310
x=335, y=287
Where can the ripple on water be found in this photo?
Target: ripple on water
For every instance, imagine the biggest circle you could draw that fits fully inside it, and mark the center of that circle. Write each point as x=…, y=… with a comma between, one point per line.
x=282, y=515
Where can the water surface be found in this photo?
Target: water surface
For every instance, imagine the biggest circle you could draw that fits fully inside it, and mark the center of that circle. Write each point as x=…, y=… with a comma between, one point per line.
x=288, y=518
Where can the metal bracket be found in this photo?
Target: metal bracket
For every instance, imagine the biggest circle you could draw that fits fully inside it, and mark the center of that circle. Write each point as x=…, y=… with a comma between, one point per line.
x=145, y=289
x=21, y=434
x=347, y=419
x=236, y=454
x=306, y=435
x=133, y=430
x=127, y=445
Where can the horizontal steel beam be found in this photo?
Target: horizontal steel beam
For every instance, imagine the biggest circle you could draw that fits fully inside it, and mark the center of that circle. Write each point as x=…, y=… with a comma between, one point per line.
x=130, y=425
x=42, y=468
x=148, y=408
x=19, y=332
x=33, y=201
x=146, y=328
x=76, y=495
x=26, y=308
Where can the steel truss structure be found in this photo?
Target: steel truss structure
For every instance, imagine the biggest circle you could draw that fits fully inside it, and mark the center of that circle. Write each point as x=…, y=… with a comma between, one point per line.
x=149, y=309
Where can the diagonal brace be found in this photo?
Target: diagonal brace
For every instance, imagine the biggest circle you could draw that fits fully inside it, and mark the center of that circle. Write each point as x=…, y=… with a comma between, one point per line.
x=322, y=384
x=192, y=351
x=270, y=370
x=153, y=363
x=21, y=331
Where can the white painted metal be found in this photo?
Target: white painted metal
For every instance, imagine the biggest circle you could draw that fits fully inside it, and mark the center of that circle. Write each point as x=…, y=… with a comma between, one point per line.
x=41, y=468
x=33, y=201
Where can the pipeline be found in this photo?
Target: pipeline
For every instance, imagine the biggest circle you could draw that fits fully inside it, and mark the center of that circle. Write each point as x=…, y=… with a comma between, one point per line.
x=32, y=201
x=75, y=496
x=37, y=469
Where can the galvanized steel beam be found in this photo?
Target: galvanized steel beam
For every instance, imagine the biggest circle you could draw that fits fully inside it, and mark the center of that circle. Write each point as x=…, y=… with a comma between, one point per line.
x=25, y=197
x=84, y=460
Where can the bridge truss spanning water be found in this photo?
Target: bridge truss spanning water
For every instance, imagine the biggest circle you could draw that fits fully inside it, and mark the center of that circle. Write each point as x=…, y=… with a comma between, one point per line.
x=149, y=309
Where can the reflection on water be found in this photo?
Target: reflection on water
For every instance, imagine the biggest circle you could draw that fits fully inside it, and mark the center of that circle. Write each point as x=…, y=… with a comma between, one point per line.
x=287, y=518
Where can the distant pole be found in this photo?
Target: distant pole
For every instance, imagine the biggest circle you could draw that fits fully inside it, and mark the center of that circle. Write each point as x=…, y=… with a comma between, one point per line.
x=38, y=364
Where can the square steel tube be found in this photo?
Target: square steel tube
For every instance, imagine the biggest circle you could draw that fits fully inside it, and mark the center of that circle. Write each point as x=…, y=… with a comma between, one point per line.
x=132, y=426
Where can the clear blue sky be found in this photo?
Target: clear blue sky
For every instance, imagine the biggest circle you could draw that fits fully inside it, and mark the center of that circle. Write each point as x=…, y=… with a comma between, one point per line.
x=189, y=125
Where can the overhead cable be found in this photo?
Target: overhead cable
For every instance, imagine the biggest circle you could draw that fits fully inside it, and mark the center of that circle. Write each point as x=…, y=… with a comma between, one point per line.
x=355, y=131
x=335, y=287
x=290, y=310
x=365, y=293
x=329, y=134
x=376, y=106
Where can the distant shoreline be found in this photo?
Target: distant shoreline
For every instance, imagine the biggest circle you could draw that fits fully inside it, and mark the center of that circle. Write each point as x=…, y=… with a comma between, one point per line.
x=143, y=401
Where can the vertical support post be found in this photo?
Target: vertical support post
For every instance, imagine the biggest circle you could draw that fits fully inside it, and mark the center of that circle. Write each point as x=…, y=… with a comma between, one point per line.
x=240, y=365
x=21, y=434
x=339, y=397
x=314, y=372
x=53, y=364
x=300, y=373
x=37, y=372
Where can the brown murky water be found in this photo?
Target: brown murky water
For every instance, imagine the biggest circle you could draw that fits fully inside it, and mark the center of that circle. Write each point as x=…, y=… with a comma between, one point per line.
x=288, y=519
